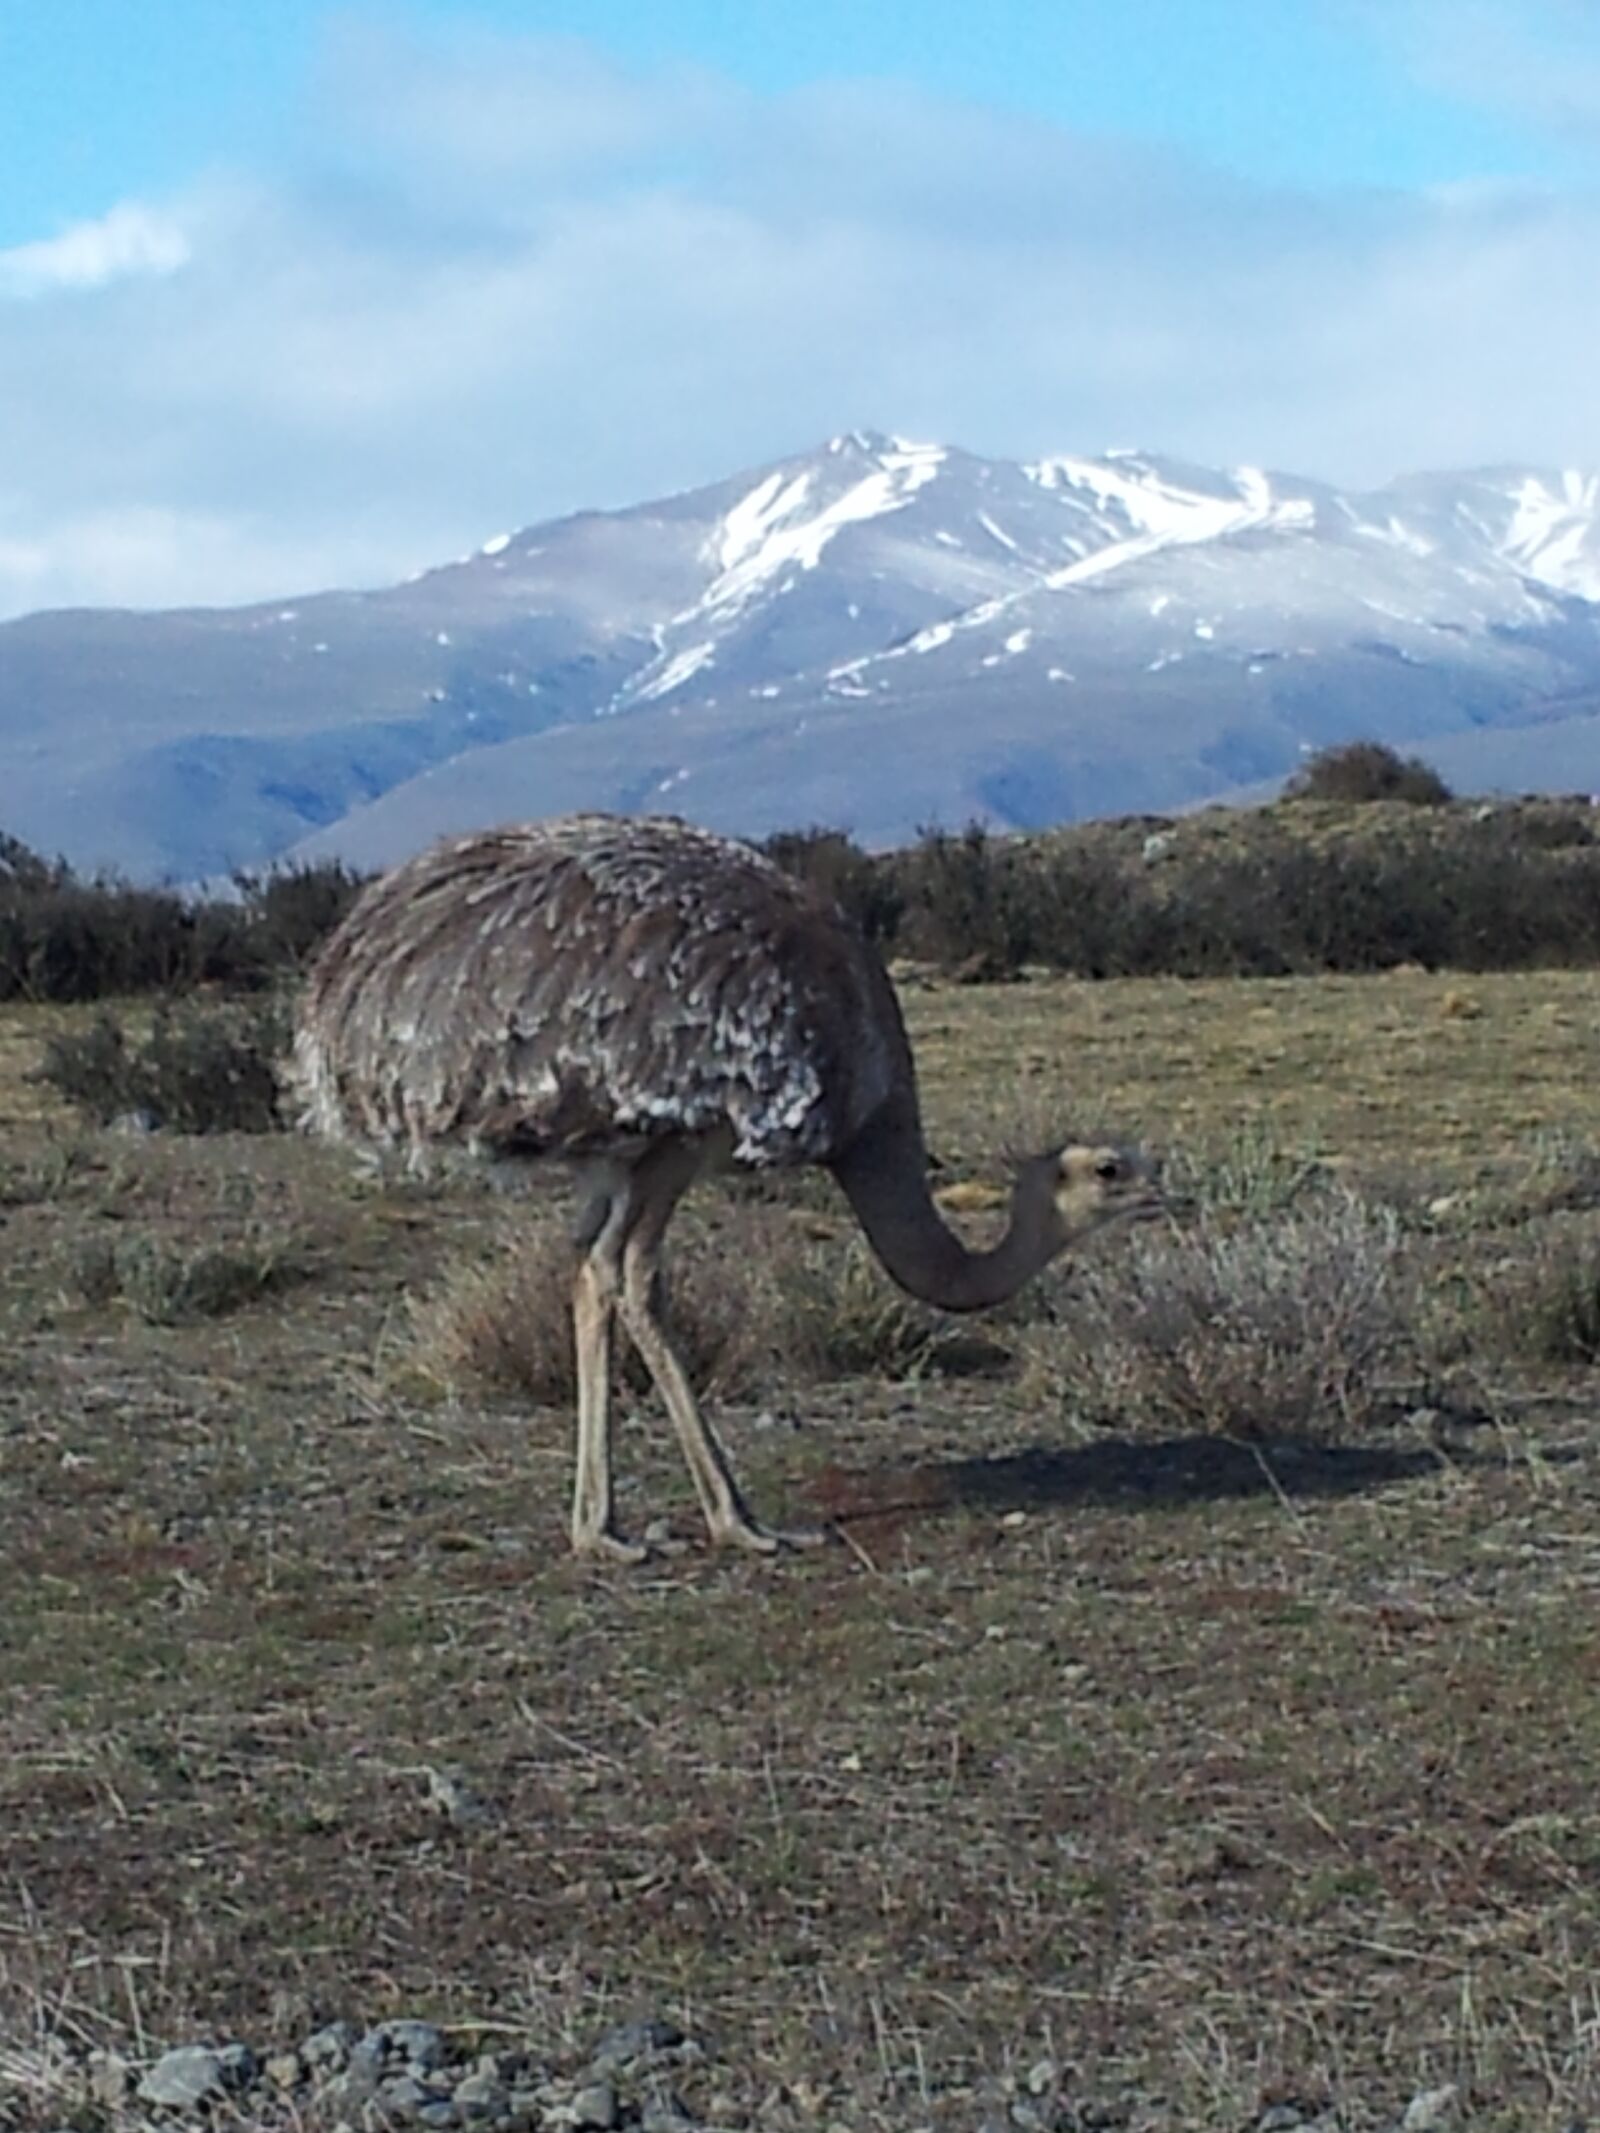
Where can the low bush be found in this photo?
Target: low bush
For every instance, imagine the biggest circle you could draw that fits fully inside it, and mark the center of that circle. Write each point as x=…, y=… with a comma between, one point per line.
x=1362, y=771
x=44, y=1174
x=503, y=1325
x=63, y=938
x=1287, y=1326
x=1263, y=893
x=197, y=1069
x=835, y=864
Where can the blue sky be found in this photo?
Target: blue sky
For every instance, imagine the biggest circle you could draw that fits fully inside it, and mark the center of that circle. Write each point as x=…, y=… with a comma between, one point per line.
x=103, y=98
x=291, y=292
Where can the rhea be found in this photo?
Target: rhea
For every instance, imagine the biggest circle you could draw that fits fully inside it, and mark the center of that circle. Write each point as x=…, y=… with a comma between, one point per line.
x=646, y=1001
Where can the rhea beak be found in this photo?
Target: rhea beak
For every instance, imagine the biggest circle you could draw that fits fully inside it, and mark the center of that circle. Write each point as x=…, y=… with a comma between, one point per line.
x=1153, y=1205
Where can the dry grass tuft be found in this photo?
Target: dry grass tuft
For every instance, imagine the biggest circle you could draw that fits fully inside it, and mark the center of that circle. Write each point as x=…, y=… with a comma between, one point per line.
x=173, y=1284
x=756, y=1300
x=1249, y=1175
x=503, y=1324
x=1271, y=1328
x=44, y=1174
x=1545, y=1307
x=1458, y=1006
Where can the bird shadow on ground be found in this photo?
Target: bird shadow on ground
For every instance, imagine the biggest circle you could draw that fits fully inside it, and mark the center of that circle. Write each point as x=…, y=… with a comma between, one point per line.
x=1118, y=1470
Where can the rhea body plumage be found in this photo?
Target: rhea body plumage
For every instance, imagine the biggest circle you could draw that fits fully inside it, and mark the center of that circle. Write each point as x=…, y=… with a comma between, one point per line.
x=646, y=1001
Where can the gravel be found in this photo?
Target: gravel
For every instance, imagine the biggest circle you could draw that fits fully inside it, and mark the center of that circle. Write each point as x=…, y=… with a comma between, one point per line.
x=396, y=2074
x=400, y=2075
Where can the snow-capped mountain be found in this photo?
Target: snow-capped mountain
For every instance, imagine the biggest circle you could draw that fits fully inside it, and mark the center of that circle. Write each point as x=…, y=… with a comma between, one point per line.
x=877, y=634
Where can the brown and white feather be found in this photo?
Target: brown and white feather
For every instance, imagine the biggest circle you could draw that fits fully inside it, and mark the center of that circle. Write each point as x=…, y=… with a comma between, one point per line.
x=585, y=984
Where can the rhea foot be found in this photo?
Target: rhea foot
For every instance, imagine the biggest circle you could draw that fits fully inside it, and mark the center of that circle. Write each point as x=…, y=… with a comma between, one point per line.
x=605, y=1546
x=741, y=1531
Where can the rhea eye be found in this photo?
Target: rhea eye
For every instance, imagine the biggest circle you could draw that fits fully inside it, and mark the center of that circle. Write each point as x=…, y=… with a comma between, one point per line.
x=1108, y=1168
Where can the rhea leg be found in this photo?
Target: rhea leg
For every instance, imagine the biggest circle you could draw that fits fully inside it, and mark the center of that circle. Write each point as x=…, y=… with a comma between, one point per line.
x=661, y=1186
x=594, y=1531
x=600, y=1232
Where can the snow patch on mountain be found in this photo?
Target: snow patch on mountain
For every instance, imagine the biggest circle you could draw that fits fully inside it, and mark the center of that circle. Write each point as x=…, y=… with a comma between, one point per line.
x=1552, y=529
x=681, y=667
x=776, y=526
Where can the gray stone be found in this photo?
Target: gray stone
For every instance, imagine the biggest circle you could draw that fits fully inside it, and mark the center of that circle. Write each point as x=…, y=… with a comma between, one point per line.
x=403, y=2096
x=415, y=2045
x=481, y=2095
x=630, y=2042
x=441, y=2112
x=352, y=2089
x=665, y=2114
x=328, y=2049
x=595, y=2105
x=184, y=2079
x=1431, y=2111
x=135, y=1124
x=450, y=1795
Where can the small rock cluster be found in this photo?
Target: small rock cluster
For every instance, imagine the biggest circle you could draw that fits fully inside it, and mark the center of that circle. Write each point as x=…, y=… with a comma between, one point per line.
x=401, y=2075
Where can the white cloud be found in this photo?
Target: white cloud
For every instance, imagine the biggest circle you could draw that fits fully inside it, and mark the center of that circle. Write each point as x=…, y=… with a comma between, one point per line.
x=130, y=240
x=1536, y=61
x=532, y=281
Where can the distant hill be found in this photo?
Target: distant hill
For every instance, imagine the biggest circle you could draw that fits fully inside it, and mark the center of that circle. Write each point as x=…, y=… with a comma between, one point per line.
x=876, y=635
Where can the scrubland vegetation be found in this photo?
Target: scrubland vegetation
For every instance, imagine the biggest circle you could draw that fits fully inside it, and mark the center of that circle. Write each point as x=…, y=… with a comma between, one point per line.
x=1196, y=1718
x=1366, y=865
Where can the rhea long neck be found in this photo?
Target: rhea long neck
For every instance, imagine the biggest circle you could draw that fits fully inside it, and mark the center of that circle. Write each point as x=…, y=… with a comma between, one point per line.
x=883, y=1174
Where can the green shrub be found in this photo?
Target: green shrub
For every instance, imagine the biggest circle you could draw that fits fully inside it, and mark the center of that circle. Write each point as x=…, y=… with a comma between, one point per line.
x=289, y=912
x=197, y=1070
x=1281, y=891
x=63, y=938
x=835, y=864
x=966, y=899
x=1360, y=771
x=1250, y=1176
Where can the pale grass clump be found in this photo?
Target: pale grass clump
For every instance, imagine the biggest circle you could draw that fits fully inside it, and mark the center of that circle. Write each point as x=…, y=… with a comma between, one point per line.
x=170, y=1284
x=756, y=1303
x=1543, y=1306
x=1554, y=1172
x=1560, y=1174
x=1283, y=1327
x=1249, y=1175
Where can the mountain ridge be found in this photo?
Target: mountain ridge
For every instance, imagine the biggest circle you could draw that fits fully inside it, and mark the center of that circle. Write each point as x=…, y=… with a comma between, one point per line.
x=877, y=633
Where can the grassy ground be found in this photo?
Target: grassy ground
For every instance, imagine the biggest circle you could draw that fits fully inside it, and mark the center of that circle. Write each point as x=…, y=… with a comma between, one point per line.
x=1217, y=1779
